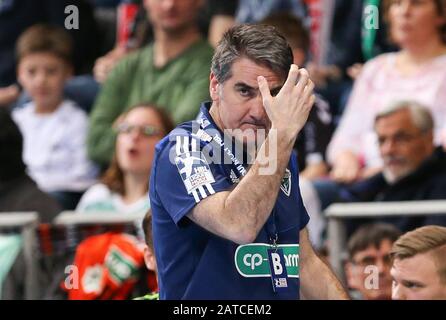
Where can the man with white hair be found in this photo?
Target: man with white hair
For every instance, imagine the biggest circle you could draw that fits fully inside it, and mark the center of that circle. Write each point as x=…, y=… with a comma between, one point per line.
x=414, y=169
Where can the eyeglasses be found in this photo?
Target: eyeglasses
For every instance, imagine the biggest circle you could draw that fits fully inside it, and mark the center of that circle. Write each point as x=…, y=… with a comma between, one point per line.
x=146, y=130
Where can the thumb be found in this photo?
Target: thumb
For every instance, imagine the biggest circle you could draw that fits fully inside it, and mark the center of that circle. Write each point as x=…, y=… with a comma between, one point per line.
x=266, y=94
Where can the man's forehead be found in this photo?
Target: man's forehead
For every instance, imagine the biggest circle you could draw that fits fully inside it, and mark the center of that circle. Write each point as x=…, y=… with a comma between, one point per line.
x=272, y=85
x=414, y=268
x=400, y=119
x=394, y=128
x=246, y=70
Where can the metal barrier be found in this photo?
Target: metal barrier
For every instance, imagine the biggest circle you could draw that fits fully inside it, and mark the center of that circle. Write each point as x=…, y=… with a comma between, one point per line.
x=27, y=222
x=100, y=218
x=338, y=212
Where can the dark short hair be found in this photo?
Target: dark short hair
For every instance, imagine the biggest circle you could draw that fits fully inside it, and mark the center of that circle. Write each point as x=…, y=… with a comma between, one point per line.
x=11, y=148
x=262, y=44
x=291, y=27
x=147, y=229
x=371, y=235
x=42, y=38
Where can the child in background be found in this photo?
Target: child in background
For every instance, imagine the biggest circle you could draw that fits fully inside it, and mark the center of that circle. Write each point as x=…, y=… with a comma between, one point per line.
x=149, y=253
x=54, y=129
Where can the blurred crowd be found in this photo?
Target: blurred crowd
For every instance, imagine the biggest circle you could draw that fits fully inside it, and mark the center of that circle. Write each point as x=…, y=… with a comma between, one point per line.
x=81, y=111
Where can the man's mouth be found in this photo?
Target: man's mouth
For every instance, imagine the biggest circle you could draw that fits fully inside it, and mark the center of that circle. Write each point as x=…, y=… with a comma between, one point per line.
x=254, y=125
x=392, y=162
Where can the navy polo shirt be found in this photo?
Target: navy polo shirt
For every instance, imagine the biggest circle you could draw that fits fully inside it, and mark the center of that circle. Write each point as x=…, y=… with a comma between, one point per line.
x=192, y=163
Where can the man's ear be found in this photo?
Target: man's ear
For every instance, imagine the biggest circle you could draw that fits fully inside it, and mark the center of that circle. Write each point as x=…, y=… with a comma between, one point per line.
x=149, y=259
x=213, y=87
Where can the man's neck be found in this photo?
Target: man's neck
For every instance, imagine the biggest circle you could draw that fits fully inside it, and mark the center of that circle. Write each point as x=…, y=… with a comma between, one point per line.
x=169, y=45
x=213, y=111
x=135, y=187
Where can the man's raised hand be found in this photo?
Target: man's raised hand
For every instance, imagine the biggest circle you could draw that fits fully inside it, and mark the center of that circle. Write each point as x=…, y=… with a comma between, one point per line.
x=288, y=111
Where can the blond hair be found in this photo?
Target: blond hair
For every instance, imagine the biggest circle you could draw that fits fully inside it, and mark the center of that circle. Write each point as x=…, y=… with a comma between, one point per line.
x=430, y=239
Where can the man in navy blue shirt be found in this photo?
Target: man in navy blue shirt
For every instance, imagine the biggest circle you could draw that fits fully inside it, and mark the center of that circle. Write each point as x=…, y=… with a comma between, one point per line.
x=228, y=218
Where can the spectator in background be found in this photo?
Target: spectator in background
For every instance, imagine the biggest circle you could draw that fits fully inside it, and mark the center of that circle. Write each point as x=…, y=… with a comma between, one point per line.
x=18, y=192
x=214, y=18
x=54, y=129
x=124, y=185
x=416, y=72
x=149, y=253
x=414, y=169
x=419, y=265
x=369, y=247
x=17, y=16
x=172, y=73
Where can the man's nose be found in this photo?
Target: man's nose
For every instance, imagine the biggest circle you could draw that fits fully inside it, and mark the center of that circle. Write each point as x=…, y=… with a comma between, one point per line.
x=405, y=7
x=135, y=134
x=40, y=78
x=383, y=266
x=257, y=110
x=388, y=147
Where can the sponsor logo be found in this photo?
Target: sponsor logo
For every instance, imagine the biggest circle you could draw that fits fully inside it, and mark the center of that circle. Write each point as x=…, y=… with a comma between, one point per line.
x=120, y=266
x=251, y=260
x=234, y=177
x=194, y=170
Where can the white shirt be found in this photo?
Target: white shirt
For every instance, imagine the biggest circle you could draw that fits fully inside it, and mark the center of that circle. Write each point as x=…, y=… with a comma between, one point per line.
x=379, y=85
x=55, y=147
x=99, y=198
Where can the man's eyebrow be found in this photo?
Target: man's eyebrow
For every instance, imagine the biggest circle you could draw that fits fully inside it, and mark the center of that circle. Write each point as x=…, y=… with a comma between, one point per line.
x=242, y=85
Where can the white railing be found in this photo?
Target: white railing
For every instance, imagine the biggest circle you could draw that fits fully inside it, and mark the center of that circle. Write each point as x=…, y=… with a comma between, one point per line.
x=93, y=218
x=27, y=223
x=338, y=212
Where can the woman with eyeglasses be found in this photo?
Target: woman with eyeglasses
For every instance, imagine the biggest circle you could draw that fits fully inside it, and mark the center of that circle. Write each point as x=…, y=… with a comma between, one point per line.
x=111, y=264
x=125, y=183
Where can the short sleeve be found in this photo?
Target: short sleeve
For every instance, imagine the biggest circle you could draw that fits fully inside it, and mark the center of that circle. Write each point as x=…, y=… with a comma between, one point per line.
x=183, y=176
x=304, y=218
